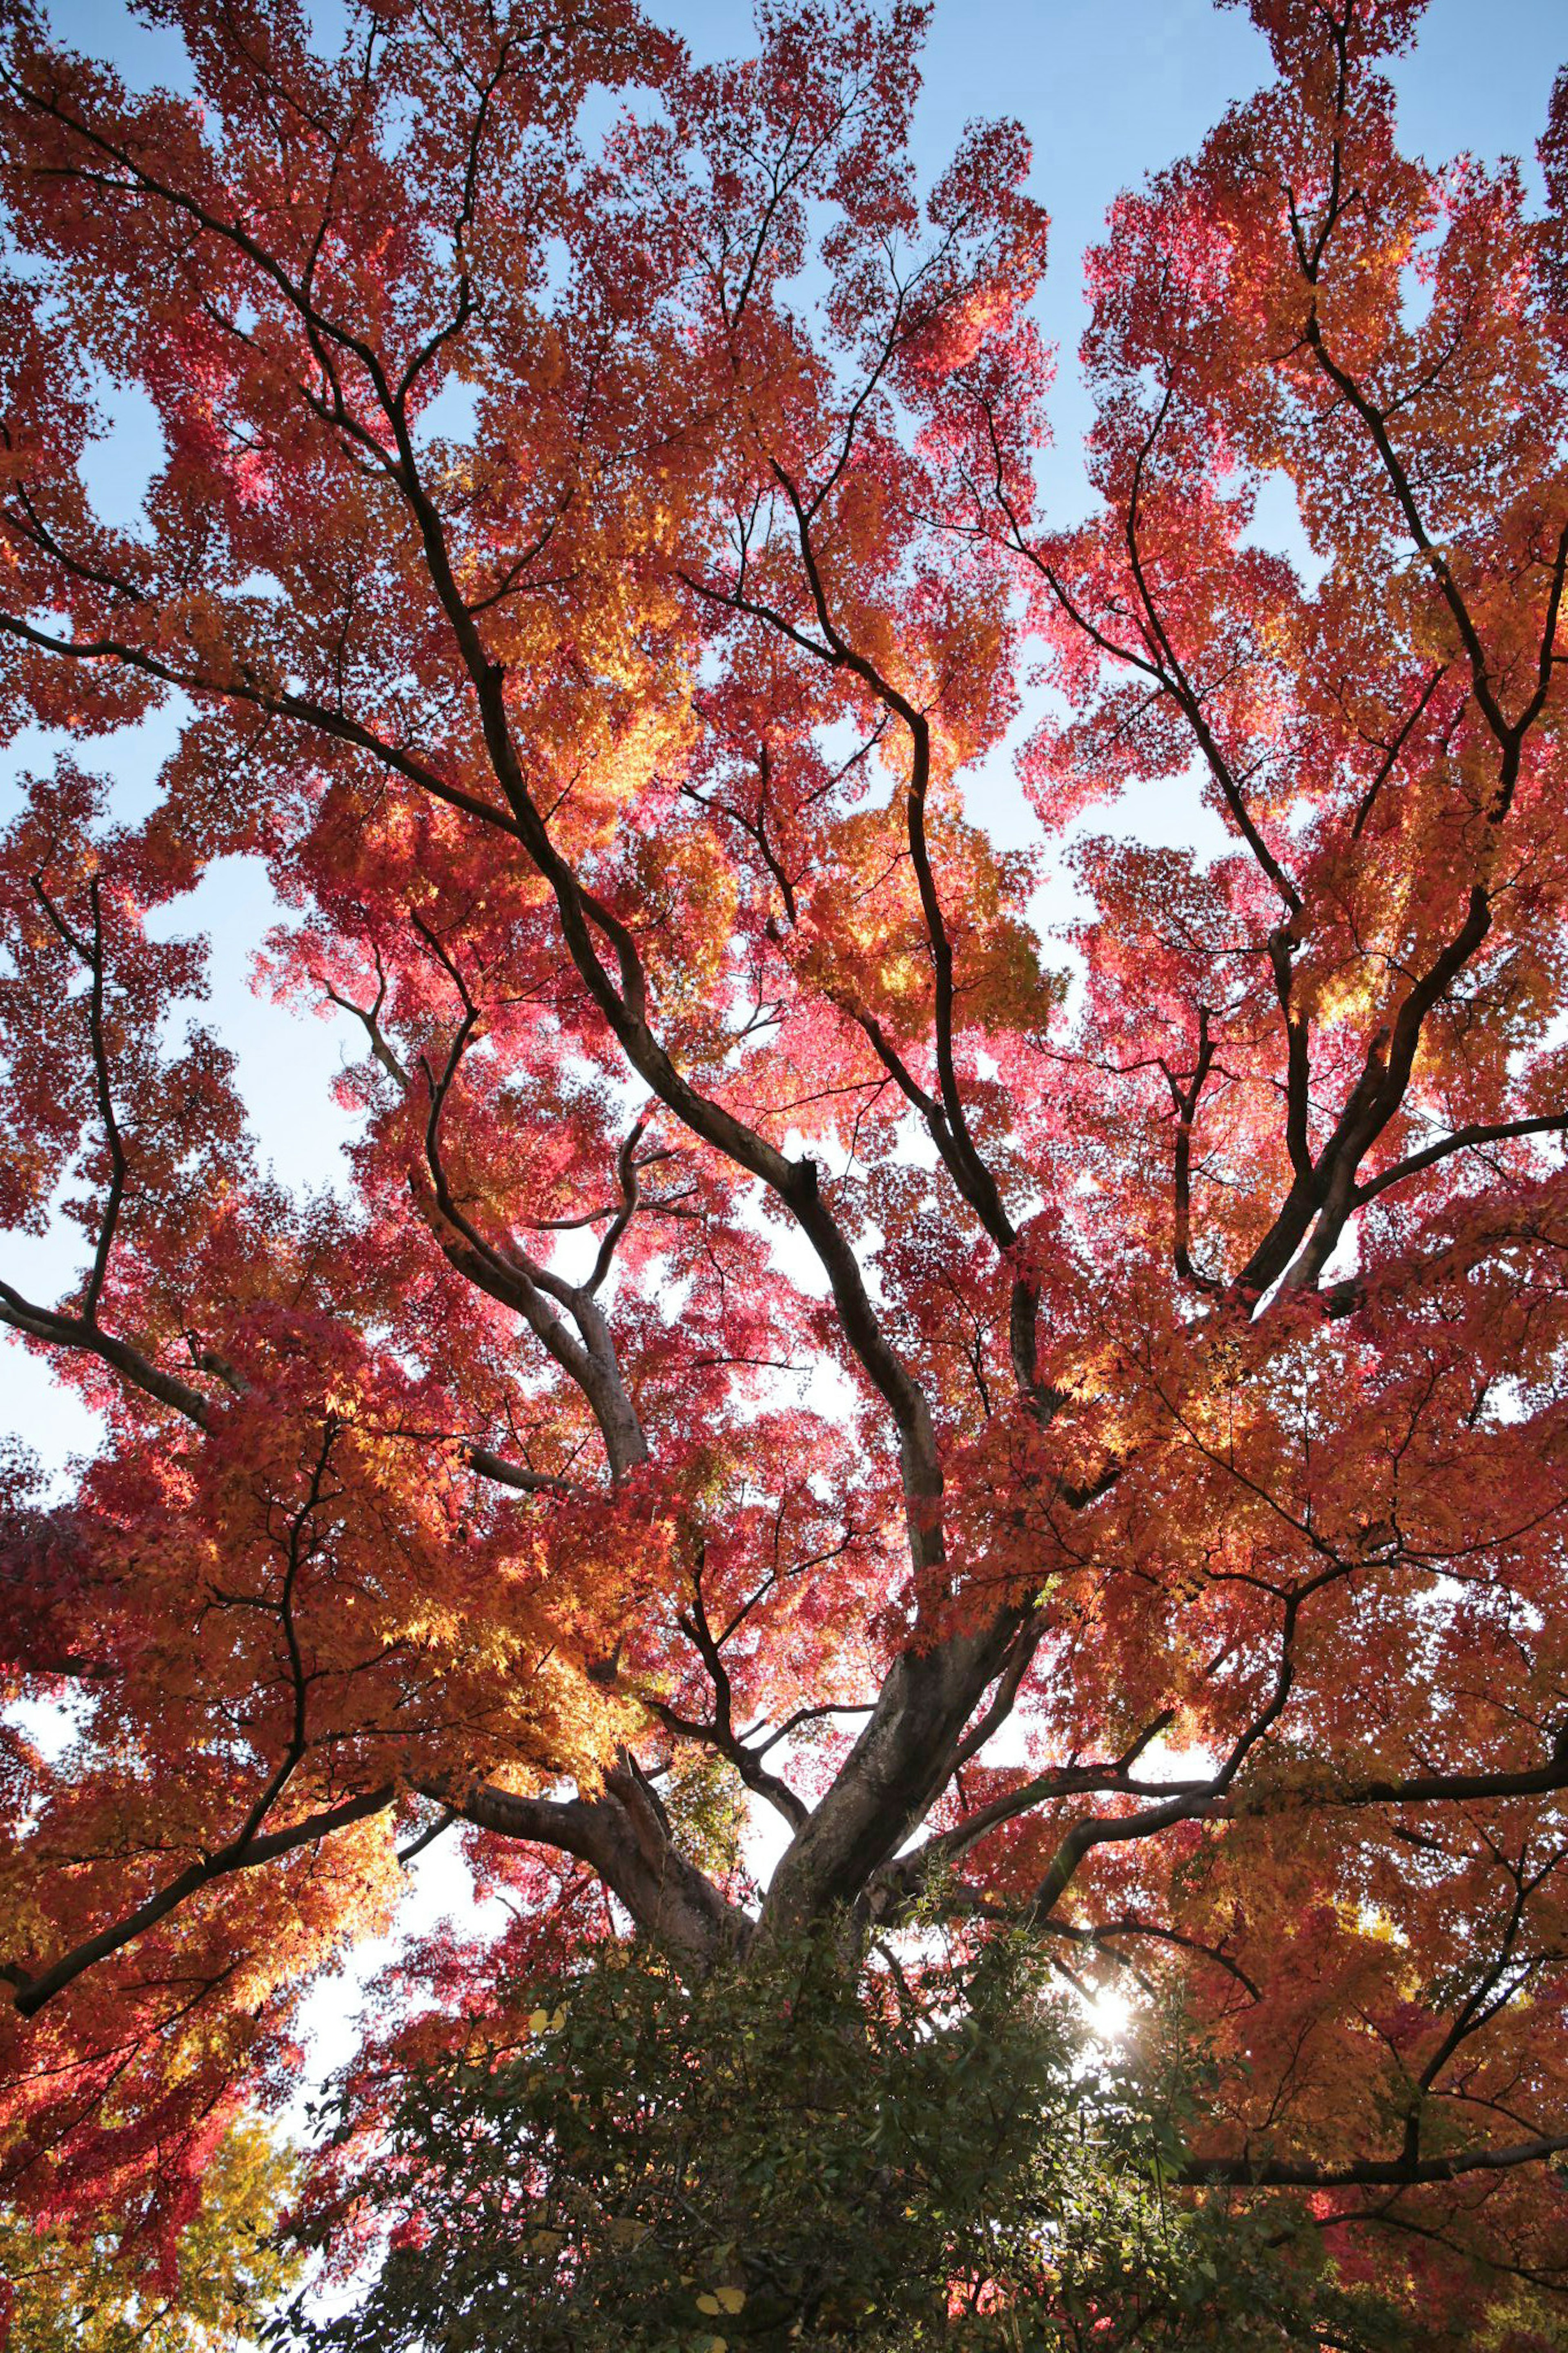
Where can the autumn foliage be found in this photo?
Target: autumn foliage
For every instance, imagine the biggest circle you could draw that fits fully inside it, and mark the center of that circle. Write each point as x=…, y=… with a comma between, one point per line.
x=1076, y=1428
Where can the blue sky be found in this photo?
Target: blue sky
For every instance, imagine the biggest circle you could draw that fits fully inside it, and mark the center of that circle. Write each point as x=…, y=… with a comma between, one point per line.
x=1107, y=93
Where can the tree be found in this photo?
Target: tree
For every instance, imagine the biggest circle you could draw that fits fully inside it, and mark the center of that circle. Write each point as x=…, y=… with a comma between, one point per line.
x=791, y=2154
x=779, y=1326
x=223, y=2269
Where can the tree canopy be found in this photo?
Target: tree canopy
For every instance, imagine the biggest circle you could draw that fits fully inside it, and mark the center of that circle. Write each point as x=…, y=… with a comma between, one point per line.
x=1077, y=1429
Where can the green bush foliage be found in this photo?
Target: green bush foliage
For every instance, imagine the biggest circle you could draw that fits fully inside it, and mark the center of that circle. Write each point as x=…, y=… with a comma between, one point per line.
x=800, y=2151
